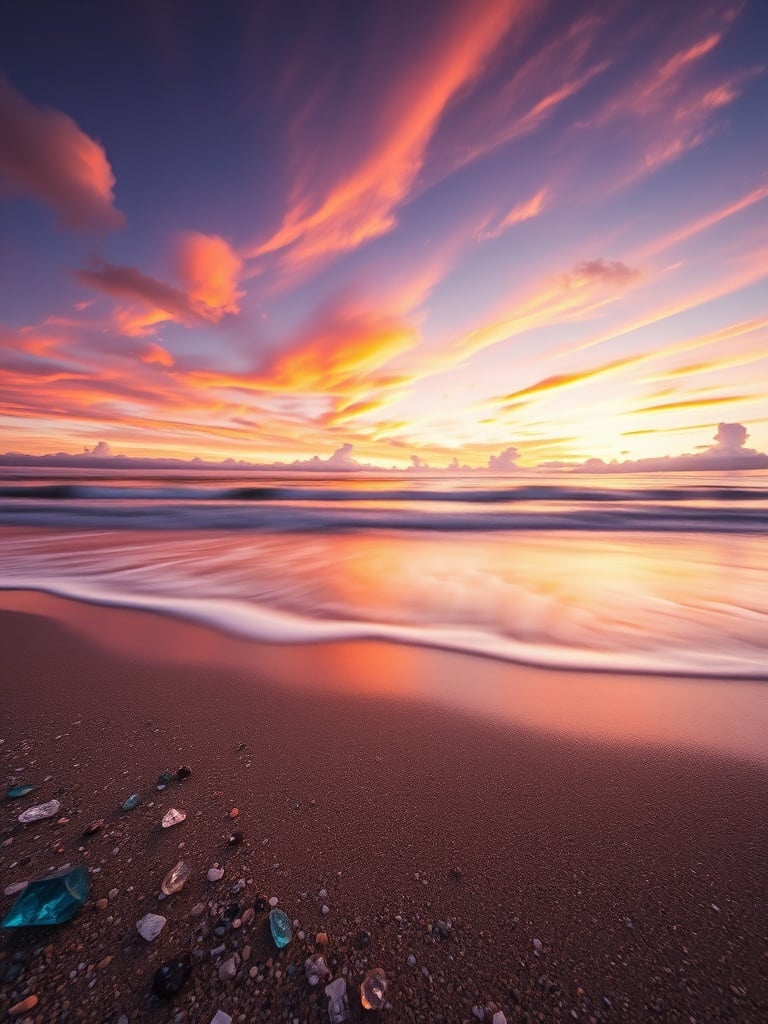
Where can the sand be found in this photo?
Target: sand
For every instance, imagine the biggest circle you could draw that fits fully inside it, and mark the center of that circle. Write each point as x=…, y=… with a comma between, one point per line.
x=641, y=868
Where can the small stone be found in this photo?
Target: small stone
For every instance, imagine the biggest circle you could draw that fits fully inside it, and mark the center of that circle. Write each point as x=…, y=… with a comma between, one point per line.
x=104, y=963
x=150, y=926
x=316, y=969
x=478, y=1012
x=14, y=887
x=170, y=978
x=198, y=910
x=51, y=899
x=133, y=801
x=323, y=893
x=325, y=909
x=16, y=792
x=373, y=990
x=538, y=945
x=411, y=961
x=102, y=904
x=321, y=939
x=94, y=827
x=176, y=878
x=273, y=901
x=442, y=929
x=183, y=773
x=234, y=812
x=215, y=874
x=221, y=1018
x=26, y=1004
x=236, y=838
x=499, y=1018
x=280, y=927
x=173, y=817
x=163, y=779
x=228, y=969
x=39, y=812
x=247, y=916
x=338, y=1004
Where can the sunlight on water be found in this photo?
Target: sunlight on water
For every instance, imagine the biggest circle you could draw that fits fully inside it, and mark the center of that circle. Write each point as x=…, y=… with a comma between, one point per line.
x=658, y=602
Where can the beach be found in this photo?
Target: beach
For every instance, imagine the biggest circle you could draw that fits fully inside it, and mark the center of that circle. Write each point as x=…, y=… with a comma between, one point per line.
x=605, y=876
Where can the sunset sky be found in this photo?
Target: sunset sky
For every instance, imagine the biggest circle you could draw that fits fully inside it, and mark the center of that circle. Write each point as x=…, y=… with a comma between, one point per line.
x=265, y=230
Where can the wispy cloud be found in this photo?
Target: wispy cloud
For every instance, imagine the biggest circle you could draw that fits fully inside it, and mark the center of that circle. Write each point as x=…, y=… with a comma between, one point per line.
x=362, y=203
x=522, y=211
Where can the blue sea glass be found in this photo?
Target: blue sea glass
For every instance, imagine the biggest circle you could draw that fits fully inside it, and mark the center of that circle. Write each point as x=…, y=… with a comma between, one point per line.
x=280, y=926
x=16, y=791
x=133, y=801
x=52, y=899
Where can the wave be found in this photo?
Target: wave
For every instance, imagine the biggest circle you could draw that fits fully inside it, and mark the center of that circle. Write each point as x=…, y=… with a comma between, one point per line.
x=275, y=626
x=314, y=494
x=306, y=518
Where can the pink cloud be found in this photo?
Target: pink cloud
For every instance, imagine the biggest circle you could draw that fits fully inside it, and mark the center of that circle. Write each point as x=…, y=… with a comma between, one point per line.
x=210, y=270
x=44, y=154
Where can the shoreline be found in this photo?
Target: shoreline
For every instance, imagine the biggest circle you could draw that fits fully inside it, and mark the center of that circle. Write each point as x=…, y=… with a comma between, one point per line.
x=722, y=716
x=640, y=869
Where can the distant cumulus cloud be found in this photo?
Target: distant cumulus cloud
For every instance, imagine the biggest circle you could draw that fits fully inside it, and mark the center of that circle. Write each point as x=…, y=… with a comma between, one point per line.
x=45, y=155
x=99, y=451
x=727, y=453
x=505, y=461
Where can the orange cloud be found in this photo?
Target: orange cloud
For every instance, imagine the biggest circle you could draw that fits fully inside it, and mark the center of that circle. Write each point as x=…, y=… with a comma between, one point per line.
x=47, y=156
x=210, y=271
x=565, y=380
x=362, y=205
x=523, y=211
x=154, y=353
x=695, y=403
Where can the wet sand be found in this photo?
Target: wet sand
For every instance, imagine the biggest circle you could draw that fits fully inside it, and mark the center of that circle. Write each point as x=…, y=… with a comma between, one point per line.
x=640, y=866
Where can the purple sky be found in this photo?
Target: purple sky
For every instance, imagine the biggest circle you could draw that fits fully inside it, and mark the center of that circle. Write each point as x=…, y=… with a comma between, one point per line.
x=441, y=229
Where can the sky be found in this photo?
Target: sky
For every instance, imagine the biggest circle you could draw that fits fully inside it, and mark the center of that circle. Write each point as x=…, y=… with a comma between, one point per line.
x=431, y=231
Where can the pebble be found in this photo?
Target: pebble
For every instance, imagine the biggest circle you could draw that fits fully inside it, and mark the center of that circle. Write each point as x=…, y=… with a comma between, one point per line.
x=411, y=961
x=198, y=910
x=228, y=969
x=247, y=916
x=538, y=945
x=499, y=1018
x=215, y=874
x=325, y=909
x=26, y=1004
x=102, y=904
x=321, y=939
x=478, y=1012
x=221, y=1018
x=150, y=926
x=273, y=901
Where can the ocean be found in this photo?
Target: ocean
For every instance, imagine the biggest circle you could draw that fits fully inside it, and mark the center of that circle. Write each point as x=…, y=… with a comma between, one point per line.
x=663, y=574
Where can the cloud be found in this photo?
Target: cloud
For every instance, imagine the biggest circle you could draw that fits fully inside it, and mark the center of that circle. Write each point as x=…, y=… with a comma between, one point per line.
x=526, y=210
x=362, y=204
x=599, y=271
x=727, y=453
x=46, y=155
x=505, y=462
x=102, y=450
x=730, y=438
x=209, y=271
x=128, y=283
